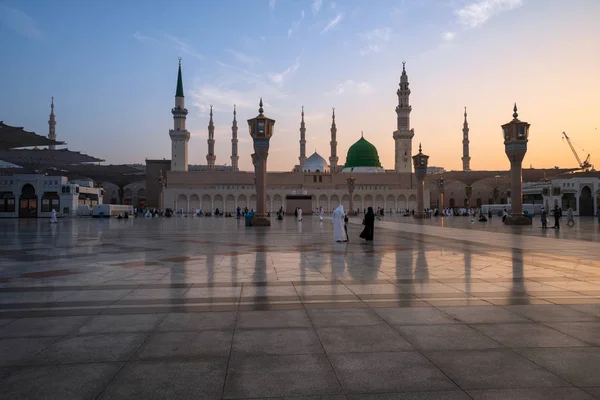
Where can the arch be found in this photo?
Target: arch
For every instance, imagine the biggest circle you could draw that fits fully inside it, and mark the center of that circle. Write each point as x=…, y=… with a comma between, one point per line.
x=277, y=202
x=28, y=192
x=252, y=205
x=412, y=202
x=242, y=201
x=390, y=202
x=141, y=198
x=206, y=204
x=402, y=203
x=368, y=201
x=229, y=203
x=194, y=202
x=28, y=202
x=323, y=202
x=335, y=201
x=586, y=202
x=346, y=202
x=379, y=202
x=218, y=202
x=358, y=202
x=181, y=202
x=313, y=202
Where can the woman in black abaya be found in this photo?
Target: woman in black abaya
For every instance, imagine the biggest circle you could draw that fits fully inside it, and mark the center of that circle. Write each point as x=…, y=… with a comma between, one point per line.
x=369, y=223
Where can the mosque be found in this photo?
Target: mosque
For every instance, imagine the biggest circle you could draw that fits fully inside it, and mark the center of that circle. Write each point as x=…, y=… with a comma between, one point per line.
x=314, y=182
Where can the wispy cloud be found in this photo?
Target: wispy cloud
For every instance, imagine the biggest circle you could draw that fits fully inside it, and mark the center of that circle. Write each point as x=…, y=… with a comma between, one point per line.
x=272, y=4
x=476, y=14
x=448, y=36
x=375, y=40
x=183, y=46
x=19, y=22
x=332, y=23
x=352, y=87
x=280, y=78
x=142, y=38
x=296, y=24
x=316, y=6
x=245, y=59
x=247, y=73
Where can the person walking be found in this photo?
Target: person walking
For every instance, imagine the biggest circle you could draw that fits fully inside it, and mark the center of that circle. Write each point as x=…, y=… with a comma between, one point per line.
x=570, y=220
x=369, y=223
x=544, y=218
x=556, y=217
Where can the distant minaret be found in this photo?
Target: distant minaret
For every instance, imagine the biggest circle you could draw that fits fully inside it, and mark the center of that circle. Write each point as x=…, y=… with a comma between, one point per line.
x=333, y=160
x=210, y=157
x=179, y=135
x=302, y=157
x=403, y=135
x=465, y=158
x=52, y=125
x=234, y=142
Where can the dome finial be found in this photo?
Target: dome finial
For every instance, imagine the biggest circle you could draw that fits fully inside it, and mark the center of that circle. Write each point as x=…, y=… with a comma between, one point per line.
x=260, y=105
x=234, y=111
x=403, y=67
x=333, y=115
x=52, y=104
x=211, y=114
x=420, y=147
x=515, y=115
x=361, y=134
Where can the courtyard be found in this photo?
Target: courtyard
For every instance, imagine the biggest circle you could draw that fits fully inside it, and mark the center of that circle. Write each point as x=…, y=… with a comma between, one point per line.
x=206, y=308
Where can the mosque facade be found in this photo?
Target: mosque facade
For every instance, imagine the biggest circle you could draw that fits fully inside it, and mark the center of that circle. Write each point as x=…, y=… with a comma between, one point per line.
x=316, y=181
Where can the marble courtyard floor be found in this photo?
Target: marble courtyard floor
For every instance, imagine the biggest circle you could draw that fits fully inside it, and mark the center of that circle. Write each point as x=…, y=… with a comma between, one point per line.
x=206, y=308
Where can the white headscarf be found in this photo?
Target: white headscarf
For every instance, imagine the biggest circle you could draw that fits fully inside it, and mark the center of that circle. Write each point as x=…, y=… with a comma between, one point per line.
x=339, y=211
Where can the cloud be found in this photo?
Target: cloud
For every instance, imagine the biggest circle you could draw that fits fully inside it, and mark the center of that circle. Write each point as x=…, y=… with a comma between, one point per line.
x=272, y=4
x=19, y=22
x=316, y=6
x=243, y=71
x=476, y=14
x=280, y=78
x=333, y=23
x=244, y=58
x=353, y=87
x=221, y=98
x=448, y=36
x=142, y=38
x=296, y=24
x=375, y=40
x=183, y=46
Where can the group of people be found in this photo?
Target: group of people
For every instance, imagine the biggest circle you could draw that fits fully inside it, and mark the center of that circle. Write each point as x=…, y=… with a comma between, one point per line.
x=340, y=225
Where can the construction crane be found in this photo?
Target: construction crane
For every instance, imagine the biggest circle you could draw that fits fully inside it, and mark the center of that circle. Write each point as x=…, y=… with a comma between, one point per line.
x=585, y=165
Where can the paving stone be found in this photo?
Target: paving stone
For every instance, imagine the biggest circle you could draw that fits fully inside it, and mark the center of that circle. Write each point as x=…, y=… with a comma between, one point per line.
x=186, y=344
x=201, y=379
x=530, y=394
x=483, y=314
x=45, y=326
x=415, y=316
x=446, y=337
x=429, y=395
x=343, y=317
x=527, y=335
x=121, y=323
x=18, y=351
x=198, y=321
x=273, y=319
x=586, y=331
x=577, y=365
x=551, y=312
x=362, y=339
x=276, y=341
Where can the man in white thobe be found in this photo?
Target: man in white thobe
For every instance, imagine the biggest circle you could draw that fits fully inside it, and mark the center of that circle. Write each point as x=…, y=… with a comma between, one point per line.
x=53, y=219
x=339, y=233
x=299, y=214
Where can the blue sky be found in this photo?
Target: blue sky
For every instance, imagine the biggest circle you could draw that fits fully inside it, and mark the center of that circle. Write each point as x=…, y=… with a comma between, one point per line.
x=111, y=67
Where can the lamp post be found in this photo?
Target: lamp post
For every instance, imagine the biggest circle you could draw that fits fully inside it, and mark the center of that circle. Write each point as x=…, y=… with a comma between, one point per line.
x=441, y=189
x=420, y=163
x=351, y=184
x=515, y=145
x=261, y=130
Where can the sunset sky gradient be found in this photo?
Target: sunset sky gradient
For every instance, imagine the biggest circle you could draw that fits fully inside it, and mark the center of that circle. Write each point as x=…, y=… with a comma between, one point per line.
x=112, y=69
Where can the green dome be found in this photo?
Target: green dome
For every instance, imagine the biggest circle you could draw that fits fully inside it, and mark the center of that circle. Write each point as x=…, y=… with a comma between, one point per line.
x=362, y=154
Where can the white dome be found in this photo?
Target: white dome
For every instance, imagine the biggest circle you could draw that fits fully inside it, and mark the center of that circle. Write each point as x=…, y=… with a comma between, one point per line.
x=315, y=163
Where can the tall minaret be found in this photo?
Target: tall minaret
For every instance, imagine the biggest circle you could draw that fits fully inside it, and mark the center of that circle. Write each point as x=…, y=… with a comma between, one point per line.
x=234, y=142
x=302, y=157
x=52, y=126
x=210, y=157
x=179, y=135
x=333, y=160
x=465, y=158
x=403, y=135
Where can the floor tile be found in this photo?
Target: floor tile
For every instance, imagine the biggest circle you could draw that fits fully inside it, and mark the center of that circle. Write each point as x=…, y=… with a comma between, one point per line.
x=121, y=323
x=286, y=375
x=586, y=331
x=388, y=372
x=492, y=369
x=527, y=335
x=556, y=313
x=46, y=326
x=446, y=337
x=579, y=366
x=362, y=339
x=343, y=317
x=415, y=316
x=186, y=344
x=60, y=382
x=202, y=379
x=590, y=309
x=530, y=394
x=198, y=321
x=92, y=348
x=429, y=395
x=273, y=319
x=474, y=315
x=276, y=341
x=18, y=351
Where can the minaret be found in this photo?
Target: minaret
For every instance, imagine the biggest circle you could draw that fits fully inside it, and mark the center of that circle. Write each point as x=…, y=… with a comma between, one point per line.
x=334, y=158
x=302, y=157
x=403, y=135
x=234, y=142
x=179, y=135
x=210, y=157
x=465, y=158
x=52, y=126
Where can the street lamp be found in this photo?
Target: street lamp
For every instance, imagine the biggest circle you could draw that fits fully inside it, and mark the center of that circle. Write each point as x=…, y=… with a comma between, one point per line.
x=351, y=184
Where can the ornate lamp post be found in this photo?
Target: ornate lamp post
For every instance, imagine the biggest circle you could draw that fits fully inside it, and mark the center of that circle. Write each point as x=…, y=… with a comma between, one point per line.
x=261, y=130
x=468, y=193
x=162, y=182
x=351, y=184
x=441, y=189
x=420, y=164
x=515, y=145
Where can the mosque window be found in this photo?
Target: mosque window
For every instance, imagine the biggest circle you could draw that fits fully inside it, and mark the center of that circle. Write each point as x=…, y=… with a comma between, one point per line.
x=320, y=179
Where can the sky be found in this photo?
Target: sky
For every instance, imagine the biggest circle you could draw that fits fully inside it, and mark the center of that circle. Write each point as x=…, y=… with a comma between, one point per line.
x=112, y=68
